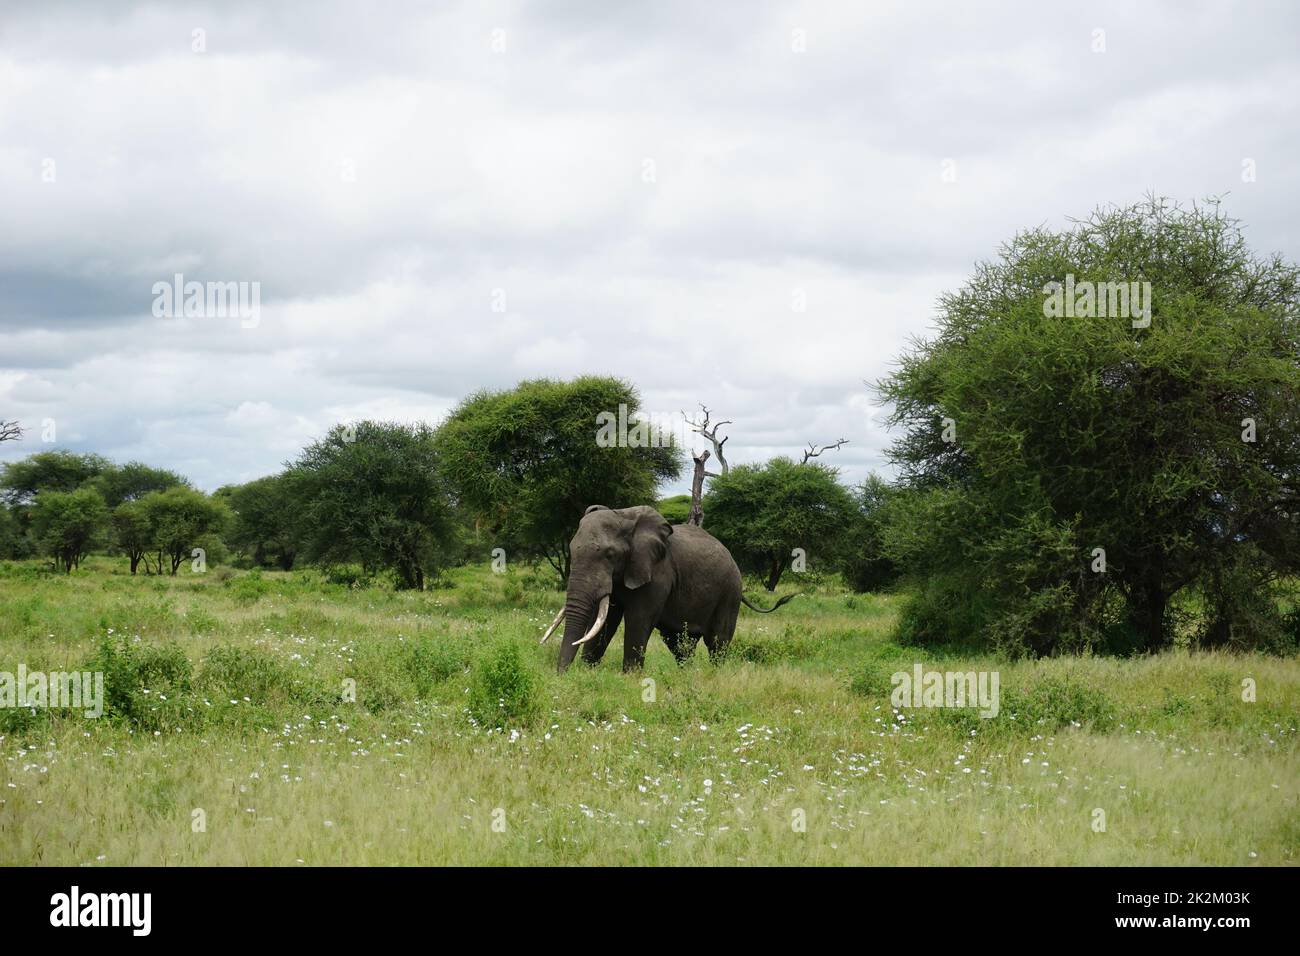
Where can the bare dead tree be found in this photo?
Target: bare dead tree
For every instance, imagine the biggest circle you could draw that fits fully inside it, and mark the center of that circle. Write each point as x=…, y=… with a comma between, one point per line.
x=709, y=430
x=10, y=431
x=696, y=517
x=814, y=451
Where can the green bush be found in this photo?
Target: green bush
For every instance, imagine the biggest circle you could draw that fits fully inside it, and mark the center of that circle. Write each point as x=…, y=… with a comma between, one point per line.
x=503, y=690
x=513, y=591
x=249, y=588
x=201, y=621
x=351, y=576
x=430, y=661
x=941, y=609
x=23, y=721
x=1056, y=702
x=874, y=677
x=238, y=672
x=792, y=644
x=150, y=687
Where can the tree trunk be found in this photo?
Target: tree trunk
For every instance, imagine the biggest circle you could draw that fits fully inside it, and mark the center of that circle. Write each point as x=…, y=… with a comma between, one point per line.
x=774, y=576
x=1155, y=624
x=1147, y=612
x=561, y=560
x=410, y=576
x=696, y=516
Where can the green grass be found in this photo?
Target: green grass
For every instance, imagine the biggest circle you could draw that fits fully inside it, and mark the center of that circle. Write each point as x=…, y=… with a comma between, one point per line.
x=317, y=723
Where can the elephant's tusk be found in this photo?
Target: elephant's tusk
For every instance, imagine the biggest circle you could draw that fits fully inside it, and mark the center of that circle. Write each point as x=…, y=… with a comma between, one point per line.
x=600, y=621
x=554, y=624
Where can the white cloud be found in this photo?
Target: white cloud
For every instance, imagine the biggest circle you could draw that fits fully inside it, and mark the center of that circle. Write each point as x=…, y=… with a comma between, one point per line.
x=382, y=175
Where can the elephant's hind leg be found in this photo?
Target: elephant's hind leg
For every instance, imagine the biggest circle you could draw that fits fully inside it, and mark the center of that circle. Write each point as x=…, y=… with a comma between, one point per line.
x=721, y=629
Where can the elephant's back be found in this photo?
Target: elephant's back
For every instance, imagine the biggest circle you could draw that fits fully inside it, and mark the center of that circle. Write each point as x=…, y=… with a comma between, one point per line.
x=707, y=549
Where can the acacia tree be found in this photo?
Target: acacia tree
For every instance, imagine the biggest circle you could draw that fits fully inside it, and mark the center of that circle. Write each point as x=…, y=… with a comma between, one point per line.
x=865, y=564
x=133, y=532
x=373, y=492
x=763, y=512
x=67, y=524
x=527, y=462
x=267, y=521
x=181, y=519
x=1069, y=475
x=132, y=481
x=60, y=470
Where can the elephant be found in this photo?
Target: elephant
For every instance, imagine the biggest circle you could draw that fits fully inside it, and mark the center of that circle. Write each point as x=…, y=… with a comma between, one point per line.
x=631, y=565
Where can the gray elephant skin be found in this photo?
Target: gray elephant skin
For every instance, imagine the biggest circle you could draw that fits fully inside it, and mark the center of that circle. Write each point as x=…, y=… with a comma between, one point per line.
x=630, y=565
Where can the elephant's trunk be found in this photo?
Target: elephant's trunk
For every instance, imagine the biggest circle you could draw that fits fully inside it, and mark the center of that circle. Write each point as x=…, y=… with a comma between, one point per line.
x=580, y=613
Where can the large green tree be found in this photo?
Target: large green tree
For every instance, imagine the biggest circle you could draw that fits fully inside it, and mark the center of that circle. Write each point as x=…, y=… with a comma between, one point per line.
x=180, y=520
x=268, y=523
x=373, y=492
x=527, y=462
x=133, y=532
x=132, y=481
x=865, y=564
x=68, y=524
x=21, y=481
x=762, y=513
x=1068, y=475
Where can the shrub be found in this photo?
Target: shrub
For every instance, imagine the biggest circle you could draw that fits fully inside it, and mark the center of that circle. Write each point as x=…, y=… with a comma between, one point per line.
x=503, y=688
x=22, y=721
x=351, y=576
x=250, y=588
x=1057, y=702
x=513, y=591
x=874, y=677
x=941, y=612
x=238, y=672
x=201, y=621
x=431, y=661
x=148, y=687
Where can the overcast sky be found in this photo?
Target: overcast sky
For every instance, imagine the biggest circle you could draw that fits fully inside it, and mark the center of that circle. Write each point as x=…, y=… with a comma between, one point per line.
x=434, y=202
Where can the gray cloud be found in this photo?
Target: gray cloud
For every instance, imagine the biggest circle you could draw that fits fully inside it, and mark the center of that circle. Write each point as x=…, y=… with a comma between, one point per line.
x=654, y=188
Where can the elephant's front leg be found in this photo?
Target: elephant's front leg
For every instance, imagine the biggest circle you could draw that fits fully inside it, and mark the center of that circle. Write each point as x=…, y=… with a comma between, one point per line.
x=637, y=626
x=594, y=649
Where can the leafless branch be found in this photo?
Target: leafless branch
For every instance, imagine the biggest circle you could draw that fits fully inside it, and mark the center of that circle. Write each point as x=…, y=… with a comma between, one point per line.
x=814, y=451
x=10, y=431
x=709, y=430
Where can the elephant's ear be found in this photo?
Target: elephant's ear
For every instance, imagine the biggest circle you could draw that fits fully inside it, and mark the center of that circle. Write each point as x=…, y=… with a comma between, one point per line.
x=649, y=545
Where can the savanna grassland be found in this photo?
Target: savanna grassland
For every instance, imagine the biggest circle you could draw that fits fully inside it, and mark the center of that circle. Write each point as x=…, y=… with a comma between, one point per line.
x=227, y=695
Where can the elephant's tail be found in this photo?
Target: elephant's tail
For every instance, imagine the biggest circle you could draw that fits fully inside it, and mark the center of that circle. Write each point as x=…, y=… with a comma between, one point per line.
x=766, y=610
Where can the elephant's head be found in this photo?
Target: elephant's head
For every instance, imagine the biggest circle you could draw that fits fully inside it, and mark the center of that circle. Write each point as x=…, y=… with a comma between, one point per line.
x=611, y=548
